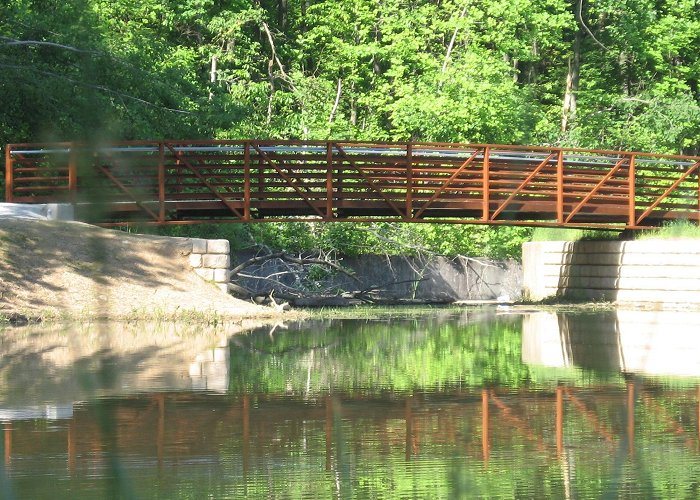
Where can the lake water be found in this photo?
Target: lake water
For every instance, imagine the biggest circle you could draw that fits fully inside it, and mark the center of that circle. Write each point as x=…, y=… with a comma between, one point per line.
x=445, y=404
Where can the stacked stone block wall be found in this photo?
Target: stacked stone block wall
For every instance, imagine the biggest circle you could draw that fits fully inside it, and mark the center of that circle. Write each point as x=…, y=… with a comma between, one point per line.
x=651, y=271
x=211, y=259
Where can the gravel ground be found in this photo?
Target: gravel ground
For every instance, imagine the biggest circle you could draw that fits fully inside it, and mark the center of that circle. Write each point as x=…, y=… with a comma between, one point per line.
x=71, y=269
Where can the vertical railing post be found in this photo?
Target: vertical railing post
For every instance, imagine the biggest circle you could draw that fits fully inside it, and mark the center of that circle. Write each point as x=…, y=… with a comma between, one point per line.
x=8, y=443
x=329, y=433
x=160, y=431
x=178, y=177
x=560, y=419
x=9, y=174
x=329, y=181
x=261, y=177
x=71, y=447
x=246, y=180
x=409, y=181
x=560, y=187
x=697, y=172
x=699, y=412
x=631, y=397
x=631, y=189
x=486, y=186
x=72, y=172
x=408, y=415
x=485, y=424
x=161, y=182
x=245, y=410
x=339, y=180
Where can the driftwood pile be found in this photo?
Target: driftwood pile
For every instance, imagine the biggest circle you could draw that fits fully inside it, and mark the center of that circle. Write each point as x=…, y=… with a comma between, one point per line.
x=304, y=279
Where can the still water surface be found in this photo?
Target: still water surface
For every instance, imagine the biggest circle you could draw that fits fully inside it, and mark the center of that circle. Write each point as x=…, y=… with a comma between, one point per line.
x=448, y=404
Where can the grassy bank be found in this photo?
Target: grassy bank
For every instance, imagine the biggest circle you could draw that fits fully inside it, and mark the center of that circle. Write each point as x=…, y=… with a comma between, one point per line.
x=679, y=229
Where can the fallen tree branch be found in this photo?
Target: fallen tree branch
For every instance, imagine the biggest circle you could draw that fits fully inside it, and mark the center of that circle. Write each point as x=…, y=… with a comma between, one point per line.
x=255, y=260
x=275, y=57
x=294, y=260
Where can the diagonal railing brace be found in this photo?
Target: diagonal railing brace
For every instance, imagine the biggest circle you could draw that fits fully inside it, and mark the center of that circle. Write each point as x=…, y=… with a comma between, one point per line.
x=668, y=191
x=183, y=159
x=289, y=180
x=127, y=191
x=371, y=182
x=444, y=186
x=605, y=179
x=522, y=185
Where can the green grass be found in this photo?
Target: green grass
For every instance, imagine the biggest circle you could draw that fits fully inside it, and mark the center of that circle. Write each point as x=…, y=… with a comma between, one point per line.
x=679, y=229
x=566, y=234
x=369, y=311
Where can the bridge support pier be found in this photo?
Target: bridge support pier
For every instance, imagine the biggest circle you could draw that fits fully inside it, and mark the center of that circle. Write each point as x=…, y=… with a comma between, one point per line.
x=642, y=271
x=211, y=260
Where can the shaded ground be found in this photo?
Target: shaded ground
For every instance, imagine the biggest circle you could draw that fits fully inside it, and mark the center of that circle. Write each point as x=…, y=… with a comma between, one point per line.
x=52, y=268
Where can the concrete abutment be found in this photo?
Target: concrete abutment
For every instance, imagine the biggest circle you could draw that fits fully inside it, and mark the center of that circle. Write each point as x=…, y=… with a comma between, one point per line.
x=642, y=271
x=211, y=260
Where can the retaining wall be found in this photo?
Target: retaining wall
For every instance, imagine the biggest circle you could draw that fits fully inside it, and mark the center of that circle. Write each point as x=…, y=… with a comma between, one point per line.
x=424, y=279
x=659, y=271
x=211, y=259
x=436, y=278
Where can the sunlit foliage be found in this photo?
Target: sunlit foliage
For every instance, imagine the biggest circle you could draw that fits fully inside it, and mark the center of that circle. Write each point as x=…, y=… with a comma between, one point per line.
x=475, y=71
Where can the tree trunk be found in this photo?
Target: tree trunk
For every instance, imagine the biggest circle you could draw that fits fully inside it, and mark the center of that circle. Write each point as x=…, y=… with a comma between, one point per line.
x=353, y=112
x=532, y=73
x=451, y=45
x=307, y=62
x=337, y=101
x=572, y=81
x=376, y=67
x=212, y=74
x=282, y=14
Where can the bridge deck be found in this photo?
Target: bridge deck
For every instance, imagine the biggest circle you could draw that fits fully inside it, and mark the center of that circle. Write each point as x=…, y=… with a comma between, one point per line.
x=178, y=182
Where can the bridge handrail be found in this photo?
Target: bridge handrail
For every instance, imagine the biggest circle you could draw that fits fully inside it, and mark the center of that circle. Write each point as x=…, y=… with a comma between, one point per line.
x=344, y=180
x=37, y=147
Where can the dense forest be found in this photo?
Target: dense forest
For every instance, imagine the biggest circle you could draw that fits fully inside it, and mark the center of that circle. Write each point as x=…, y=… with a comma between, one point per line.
x=590, y=73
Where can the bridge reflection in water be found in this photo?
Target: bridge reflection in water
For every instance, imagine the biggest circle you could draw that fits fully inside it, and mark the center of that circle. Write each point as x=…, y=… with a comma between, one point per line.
x=580, y=415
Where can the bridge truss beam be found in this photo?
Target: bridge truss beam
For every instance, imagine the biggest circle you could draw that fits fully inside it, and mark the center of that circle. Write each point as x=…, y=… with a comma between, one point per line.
x=184, y=182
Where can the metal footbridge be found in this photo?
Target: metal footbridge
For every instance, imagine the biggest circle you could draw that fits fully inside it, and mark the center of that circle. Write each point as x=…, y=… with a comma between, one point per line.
x=185, y=182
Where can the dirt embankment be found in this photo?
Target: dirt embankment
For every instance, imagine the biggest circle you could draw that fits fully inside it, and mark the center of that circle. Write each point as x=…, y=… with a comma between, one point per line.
x=71, y=269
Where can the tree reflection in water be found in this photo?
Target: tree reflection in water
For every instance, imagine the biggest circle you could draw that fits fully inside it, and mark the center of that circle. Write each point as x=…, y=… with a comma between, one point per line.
x=444, y=405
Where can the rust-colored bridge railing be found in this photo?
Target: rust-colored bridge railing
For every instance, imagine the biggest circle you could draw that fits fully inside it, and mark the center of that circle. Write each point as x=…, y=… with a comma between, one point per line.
x=176, y=182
